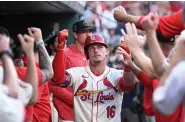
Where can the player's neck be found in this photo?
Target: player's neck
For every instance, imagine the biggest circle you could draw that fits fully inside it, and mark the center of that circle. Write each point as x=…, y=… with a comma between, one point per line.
x=97, y=68
x=79, y=46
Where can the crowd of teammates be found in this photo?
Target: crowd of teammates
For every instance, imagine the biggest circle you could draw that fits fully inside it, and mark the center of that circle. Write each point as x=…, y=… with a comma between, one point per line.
x=84, y=88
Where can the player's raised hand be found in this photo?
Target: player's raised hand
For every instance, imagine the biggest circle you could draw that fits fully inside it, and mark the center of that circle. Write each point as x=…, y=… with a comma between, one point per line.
x=36, y=33
x=27, y=44
x=120, y=14
x=150, y=22
x=62, y=38
x=131, y=37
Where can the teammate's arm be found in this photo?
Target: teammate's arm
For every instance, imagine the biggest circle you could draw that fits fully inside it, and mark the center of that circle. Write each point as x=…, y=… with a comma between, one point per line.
x=10, y=75
x=61, y=93
x=140, y=58
x=121, y=15
x=150, y=25
x=168, y=26
x=27, y=44
x=61, y=78
x=44, y=59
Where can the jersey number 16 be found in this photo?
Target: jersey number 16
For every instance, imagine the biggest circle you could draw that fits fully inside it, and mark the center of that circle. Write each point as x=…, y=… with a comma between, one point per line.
x=111, y=111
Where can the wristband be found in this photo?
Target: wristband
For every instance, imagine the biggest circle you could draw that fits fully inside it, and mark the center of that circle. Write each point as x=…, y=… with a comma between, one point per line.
x=140, y=22
x=39, y=43
x=8, y=52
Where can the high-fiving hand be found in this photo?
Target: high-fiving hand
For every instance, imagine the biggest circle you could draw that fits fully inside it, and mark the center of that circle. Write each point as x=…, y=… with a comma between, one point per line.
x=131, y=37
x=120, y=14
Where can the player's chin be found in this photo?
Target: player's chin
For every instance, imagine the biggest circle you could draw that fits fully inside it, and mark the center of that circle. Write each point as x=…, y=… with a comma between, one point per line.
x=97, y=61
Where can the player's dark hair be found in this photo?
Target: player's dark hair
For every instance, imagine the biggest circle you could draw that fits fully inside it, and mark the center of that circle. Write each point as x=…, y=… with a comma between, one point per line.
x=4, y=31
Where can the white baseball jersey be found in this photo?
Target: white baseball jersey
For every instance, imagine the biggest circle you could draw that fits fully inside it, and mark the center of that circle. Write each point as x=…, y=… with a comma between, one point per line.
x=25, y=89
x=168, y=97
x=96, y=98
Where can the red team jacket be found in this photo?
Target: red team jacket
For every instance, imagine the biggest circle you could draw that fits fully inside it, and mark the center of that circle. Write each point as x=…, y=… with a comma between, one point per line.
x=42, y=110
x=152, y=85
x=21, y=71
x=63, y=97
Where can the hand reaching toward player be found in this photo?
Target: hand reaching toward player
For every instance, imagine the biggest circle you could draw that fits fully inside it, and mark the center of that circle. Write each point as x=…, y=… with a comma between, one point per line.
x=131, y=37
x=120, y=14
x=127, y=57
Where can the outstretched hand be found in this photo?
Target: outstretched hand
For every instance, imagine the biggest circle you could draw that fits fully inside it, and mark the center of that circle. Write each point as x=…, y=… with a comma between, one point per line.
x=131, y=37
x=120, y=14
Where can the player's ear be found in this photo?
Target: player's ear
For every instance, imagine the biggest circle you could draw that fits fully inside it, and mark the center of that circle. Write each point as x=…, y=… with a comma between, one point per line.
x=75, y=35
x=107, y=51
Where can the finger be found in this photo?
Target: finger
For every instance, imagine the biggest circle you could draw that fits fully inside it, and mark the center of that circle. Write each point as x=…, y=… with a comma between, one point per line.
x=129, y=28
x=28, y=38
x=123, y=32
x=30, y=32
x=122, y=51
x=34, y=29
x=119, y=48
x=134, y=28
x=118, y=52
x=21, y=39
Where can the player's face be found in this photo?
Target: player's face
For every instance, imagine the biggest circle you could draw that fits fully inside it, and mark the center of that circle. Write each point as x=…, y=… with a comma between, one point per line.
x=81, y=36
x=97, y=53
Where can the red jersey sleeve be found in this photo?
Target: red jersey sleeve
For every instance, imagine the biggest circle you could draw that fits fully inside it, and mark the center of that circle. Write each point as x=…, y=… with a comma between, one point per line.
x=21, y=71
x=59, y=67
x=123, y=87
x=61, y=93
x=146, y=80
x=169, y=25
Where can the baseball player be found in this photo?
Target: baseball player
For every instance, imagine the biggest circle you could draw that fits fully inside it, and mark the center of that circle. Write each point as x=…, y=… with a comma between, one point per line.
x=44, y=73
x=73, y=57
x=170, y=92
x=97, y=89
